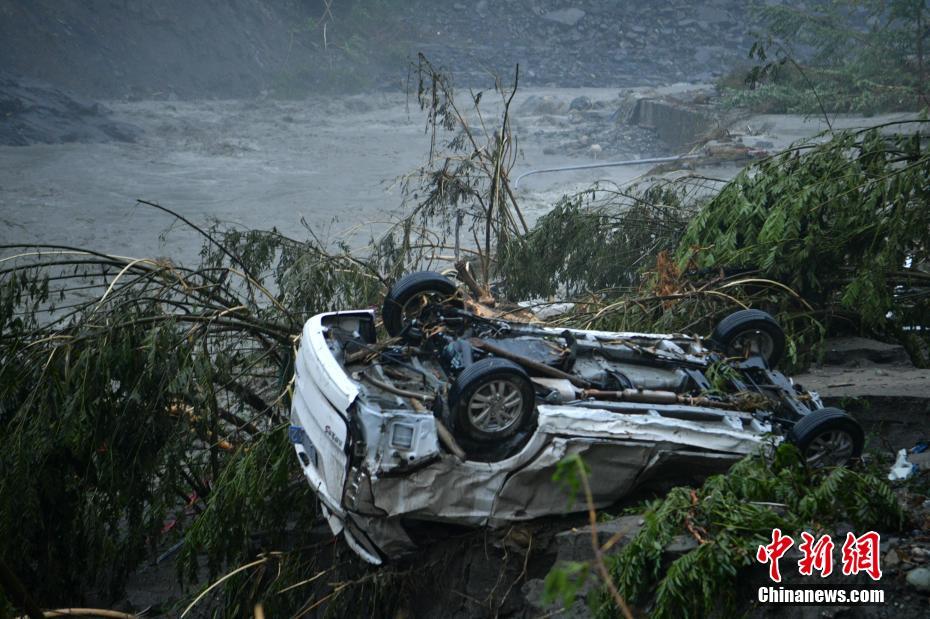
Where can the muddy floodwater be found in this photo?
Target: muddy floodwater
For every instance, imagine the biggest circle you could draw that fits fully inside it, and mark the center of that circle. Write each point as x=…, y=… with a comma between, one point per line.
x=334, y=163
x=255, y=164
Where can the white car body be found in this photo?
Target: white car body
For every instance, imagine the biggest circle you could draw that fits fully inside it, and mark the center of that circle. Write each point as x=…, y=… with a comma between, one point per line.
x=377, y=469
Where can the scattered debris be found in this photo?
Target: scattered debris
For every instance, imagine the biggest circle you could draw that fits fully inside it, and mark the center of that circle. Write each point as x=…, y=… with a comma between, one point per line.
x=902, y=467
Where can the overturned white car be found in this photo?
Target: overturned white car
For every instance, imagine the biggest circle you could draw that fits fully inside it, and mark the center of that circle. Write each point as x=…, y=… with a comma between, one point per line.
x=462, y=418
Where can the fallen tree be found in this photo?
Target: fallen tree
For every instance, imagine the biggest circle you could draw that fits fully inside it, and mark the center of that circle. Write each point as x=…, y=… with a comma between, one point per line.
x=830, y=236
x=145, y=404
x=131, y=390
x=866, y=56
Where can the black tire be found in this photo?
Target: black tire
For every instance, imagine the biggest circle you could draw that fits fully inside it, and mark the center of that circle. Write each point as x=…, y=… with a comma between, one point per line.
x=828, y=437
x=490, y=384
x=421, y=283
x=732, y=331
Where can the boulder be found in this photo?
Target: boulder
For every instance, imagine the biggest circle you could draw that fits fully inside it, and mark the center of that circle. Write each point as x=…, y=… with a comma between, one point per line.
x=537, y=105
x=575, y=544
x=580, y=104
x=919, y=578
x=32, y=112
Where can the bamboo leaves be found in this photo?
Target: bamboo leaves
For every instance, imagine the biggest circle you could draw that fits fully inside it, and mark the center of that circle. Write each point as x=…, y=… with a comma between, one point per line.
x=837, y=222
x=734, y=514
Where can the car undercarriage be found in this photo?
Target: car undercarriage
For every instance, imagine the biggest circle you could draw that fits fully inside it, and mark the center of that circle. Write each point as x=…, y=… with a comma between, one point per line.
x=460, y=416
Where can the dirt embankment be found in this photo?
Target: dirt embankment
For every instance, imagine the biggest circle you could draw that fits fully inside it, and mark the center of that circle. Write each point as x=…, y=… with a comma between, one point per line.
x=34, y=112
x=54, y=53
x=587, y=42
x=237, y=48
x=118, y=48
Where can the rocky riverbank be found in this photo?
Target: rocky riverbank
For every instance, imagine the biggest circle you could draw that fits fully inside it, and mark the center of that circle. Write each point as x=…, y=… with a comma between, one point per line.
x=34, y=112
x=586, y=43
x=174, y=49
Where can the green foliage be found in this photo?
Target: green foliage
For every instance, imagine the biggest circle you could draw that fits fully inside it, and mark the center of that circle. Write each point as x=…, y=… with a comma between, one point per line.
x=733, y=514
x=856, y=56
x=463, y=193
x=720, y=374
x=844, y=223
x=568, y=474
x=253, y=494
x=139, y=393
x=88, y=470
x=829, y=236
x=601, y=238
x=564, y=582
x=610, y=251
x=307, y=275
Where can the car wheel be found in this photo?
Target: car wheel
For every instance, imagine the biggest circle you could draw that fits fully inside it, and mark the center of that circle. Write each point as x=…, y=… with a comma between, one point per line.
x=492, y=400
x=411, y=294
x=828, y=437
x=748, y=333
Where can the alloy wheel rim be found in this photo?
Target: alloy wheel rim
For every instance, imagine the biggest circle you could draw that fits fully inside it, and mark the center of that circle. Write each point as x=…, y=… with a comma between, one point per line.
x=829, y=448
x=496, y=406
x=753, y=342
x=413, y=309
